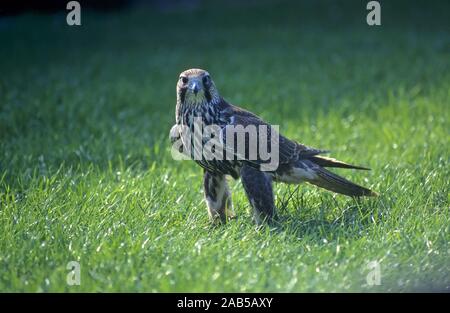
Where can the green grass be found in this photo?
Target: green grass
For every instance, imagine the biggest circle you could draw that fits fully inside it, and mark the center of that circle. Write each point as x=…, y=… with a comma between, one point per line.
x=86, y=172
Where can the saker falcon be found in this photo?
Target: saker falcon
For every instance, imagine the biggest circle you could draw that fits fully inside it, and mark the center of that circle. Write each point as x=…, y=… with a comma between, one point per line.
x=198, y=97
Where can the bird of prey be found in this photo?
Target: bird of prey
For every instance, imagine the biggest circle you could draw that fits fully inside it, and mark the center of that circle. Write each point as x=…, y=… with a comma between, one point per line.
x=198, y=97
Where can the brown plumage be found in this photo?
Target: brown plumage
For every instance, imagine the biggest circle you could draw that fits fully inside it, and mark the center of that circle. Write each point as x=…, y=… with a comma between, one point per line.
x=197, y=96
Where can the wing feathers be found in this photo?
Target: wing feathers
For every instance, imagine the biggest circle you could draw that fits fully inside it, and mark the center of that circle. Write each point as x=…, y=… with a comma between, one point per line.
x=333, y=182
x=330, y=162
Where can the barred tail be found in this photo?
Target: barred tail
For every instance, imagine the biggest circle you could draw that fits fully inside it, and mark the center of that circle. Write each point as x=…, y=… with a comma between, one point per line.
x=333, y=182
x=330, y=162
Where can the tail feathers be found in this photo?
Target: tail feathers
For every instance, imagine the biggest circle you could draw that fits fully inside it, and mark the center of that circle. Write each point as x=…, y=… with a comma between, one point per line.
x=333, y=182
x=330, y=162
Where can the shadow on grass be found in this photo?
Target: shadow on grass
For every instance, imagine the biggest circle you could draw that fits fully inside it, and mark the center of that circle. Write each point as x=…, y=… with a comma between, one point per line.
x=331, y=220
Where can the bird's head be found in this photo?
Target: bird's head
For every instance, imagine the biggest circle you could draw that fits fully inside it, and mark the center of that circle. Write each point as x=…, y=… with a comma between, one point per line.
x=195, y=87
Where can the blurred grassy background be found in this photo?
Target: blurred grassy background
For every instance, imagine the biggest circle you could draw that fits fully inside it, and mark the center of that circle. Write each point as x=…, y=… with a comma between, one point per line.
x=86, y=172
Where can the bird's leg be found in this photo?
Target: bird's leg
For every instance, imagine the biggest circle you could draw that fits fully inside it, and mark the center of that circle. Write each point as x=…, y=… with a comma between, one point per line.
x=258, y=187
x=218, y=197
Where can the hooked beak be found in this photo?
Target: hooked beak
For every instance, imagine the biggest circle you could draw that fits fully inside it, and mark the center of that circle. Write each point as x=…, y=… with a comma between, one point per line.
x=194, y=87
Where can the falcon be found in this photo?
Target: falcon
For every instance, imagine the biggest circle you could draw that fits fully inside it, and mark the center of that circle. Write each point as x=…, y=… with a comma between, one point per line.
x=198, y=98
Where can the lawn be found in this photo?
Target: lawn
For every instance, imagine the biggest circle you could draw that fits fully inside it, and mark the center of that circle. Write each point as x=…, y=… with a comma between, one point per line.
x=86, y=172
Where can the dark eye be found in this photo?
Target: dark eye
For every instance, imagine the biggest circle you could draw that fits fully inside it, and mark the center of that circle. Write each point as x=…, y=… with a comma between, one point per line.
x=183, y=79
x=206, y=80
